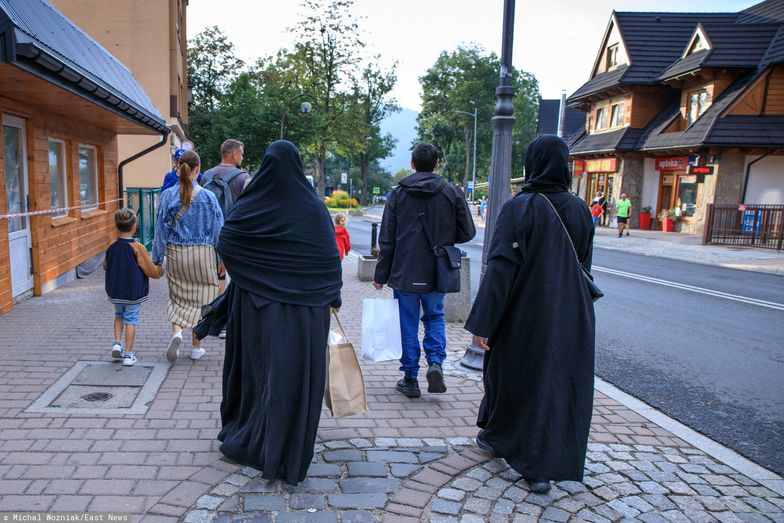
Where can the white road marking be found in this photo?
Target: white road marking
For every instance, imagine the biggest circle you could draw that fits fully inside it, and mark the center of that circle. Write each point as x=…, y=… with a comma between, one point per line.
x=692, y=288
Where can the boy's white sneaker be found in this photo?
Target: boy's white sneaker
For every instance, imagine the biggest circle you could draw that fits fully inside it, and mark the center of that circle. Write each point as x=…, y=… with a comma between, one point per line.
x=197, y=353
x=117, y=352
x=129, y=358
x=174, y=345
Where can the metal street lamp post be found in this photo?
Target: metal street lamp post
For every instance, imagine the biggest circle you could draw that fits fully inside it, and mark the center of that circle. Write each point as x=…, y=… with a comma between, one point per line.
x=473, y=115
x=304, y=107
x=501, y=159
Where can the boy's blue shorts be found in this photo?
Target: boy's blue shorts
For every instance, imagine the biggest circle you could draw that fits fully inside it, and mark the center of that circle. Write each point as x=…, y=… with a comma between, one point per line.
x=128, y=312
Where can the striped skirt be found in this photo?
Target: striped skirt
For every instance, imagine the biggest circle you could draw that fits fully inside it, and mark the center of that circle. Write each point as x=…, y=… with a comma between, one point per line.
x=193, y=281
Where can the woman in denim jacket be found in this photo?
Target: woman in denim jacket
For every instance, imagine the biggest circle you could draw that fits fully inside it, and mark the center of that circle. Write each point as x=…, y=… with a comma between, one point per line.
x=189, y=221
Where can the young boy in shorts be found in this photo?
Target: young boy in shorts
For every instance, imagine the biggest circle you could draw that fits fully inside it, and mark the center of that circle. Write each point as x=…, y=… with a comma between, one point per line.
x=128, y=268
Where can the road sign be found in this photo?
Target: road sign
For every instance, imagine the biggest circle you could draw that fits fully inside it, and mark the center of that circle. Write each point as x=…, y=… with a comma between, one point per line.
x=376, y=190
x=470, y=186
x=343, y=178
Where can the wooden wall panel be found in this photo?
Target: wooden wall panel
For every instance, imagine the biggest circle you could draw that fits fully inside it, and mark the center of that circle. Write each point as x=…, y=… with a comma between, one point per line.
x=774, y=101
x=62, y=243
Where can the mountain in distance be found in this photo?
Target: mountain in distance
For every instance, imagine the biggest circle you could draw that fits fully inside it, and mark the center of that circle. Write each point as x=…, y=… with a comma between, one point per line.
x=402, y=126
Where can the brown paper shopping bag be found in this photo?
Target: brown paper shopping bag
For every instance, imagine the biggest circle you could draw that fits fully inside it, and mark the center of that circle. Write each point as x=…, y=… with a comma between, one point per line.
x=345, y=391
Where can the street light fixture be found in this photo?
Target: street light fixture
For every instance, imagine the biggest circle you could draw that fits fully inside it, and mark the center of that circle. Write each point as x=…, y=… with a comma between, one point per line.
x=304, y=107
x=473, y=183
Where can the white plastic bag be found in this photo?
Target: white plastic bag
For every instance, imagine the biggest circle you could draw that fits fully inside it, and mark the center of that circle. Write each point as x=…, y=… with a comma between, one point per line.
x=381, y=330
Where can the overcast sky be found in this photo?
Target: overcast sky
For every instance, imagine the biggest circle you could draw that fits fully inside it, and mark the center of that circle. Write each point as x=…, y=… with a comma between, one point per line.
x=556, y=40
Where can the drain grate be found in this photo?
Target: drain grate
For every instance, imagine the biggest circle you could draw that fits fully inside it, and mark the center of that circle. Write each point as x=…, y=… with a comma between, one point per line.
x=98, y=396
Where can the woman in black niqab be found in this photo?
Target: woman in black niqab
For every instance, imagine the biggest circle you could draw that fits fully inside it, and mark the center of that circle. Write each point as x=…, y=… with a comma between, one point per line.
x=534, y=316
x=278, y=245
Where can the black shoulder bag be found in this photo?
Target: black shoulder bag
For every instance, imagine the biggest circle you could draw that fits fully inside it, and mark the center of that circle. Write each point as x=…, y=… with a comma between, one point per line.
x=594, y=289
x=447, y=263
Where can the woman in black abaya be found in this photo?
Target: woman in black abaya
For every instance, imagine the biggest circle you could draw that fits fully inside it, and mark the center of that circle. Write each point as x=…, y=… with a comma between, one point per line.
x=278, y=244
x=534, y=317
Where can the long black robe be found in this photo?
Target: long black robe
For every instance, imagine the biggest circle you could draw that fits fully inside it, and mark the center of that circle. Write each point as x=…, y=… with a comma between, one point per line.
x=536, y=310
x=278, y=245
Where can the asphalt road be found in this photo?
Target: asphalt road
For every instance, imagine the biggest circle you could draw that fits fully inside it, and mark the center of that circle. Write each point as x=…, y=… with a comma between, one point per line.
x=703, y=344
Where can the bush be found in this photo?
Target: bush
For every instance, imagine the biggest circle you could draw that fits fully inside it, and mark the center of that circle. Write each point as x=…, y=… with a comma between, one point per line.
x=330, y=202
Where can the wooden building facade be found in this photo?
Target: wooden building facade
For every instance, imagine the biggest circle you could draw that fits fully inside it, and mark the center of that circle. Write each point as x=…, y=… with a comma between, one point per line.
x=63, y=101
x=684, y=110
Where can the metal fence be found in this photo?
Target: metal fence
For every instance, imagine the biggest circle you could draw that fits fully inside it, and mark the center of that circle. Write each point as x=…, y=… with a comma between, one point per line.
x=144, y=200
x=744, y=225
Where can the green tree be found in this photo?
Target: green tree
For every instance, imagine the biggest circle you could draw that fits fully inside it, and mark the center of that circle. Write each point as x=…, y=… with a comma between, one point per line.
x=373, y=104
x=212, y=67
x=464, y=81
x=399, y=175
x=324, y=58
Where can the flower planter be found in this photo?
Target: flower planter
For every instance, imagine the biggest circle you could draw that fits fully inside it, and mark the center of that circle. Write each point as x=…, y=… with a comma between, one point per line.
x=645, y=220
x=668, y=225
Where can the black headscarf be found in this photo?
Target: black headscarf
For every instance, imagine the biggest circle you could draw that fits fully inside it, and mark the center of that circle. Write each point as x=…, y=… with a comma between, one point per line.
x=547, y=165
x=278, y=241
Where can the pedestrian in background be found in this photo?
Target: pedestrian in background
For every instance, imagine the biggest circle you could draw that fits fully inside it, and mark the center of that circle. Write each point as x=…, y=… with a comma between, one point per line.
x=342, y=237
x=278, y=244
x=227, y=181
x=596, y=212
x=406, y=262
x=534, y=317
x=189, y=221
x=623, y=213
x=128, y=268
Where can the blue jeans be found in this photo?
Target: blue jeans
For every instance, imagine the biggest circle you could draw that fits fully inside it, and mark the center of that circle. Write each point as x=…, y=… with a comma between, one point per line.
x=432, y=306
x=128, y=312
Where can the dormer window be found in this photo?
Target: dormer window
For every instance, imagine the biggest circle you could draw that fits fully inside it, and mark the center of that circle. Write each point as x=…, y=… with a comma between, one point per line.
x=612, y=56
x=601, y=118
x=698, y=103
x=616, y=116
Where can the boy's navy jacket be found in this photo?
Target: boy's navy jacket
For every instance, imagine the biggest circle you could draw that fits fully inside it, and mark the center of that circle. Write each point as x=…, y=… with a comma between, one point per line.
x=128, y=268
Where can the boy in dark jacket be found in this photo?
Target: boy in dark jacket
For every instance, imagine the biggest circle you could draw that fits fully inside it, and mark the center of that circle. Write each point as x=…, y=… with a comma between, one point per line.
x=128, y=268
x=407, y=264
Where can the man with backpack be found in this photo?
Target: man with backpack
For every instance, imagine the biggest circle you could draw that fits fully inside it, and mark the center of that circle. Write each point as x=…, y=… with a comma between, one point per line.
x=227, y=181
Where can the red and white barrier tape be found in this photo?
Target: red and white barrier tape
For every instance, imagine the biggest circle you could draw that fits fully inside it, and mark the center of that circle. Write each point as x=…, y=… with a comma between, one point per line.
x=53, y=210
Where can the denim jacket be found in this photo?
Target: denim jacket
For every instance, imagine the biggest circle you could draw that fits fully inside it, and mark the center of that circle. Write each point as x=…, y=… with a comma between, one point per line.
x=200, y=225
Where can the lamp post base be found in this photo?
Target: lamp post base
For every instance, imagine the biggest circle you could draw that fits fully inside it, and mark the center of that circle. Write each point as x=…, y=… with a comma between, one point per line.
x=473, y=358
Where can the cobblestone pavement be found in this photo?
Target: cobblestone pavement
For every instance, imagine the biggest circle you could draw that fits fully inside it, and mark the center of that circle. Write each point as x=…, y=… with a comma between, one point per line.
x=404, y=460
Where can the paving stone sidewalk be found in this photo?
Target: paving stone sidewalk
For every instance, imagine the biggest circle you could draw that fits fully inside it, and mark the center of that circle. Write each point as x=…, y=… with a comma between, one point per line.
x=404, y=460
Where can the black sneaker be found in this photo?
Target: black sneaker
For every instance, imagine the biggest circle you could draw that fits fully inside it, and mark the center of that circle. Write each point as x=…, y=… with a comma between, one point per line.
x=435, y=378
x=538, y=486
x=408, y=387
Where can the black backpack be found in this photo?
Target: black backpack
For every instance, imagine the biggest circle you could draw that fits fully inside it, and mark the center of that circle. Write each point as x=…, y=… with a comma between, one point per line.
x=219, y=186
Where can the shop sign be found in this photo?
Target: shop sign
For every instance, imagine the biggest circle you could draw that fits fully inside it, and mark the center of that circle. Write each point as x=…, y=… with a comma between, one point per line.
x=701, y=169
x=604, y=165
x=677, y=163
x=578, y=168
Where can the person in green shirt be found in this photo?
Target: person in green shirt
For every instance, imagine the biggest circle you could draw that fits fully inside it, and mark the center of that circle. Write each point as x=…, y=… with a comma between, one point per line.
x=623, y=211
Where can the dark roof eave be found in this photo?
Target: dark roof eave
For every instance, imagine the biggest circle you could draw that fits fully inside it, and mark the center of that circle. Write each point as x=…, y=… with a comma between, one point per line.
x=42, y=64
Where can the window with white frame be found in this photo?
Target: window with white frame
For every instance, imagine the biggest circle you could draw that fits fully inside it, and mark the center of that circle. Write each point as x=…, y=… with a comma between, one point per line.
x=616, y=117
x=601, y=118
x=58, y=180
x=698, y=103
x=612, y=56
x=88, y=177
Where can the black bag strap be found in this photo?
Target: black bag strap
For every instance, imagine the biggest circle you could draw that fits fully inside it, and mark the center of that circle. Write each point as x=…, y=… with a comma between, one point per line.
x=569, y=236
x=421, y=216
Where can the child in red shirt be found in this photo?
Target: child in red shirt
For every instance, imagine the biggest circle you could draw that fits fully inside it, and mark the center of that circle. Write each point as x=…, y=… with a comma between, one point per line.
x=596, y=212
x=341, y=235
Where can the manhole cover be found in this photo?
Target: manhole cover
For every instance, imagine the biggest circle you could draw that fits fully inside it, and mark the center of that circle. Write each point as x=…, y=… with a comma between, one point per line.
x=97, y=396
x=102, y=387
